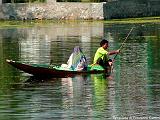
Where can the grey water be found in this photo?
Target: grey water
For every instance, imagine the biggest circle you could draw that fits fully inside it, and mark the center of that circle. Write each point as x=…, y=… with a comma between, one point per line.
x=131, y=92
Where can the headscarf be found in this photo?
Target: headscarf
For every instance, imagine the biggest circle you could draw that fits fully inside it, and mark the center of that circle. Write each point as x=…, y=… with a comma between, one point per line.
x=77, y=60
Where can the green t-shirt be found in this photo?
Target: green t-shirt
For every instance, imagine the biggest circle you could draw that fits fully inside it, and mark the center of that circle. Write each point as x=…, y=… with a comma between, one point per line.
x=100, y=53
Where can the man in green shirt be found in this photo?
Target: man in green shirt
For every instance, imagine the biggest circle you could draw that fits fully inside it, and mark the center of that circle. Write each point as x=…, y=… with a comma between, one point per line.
x=102, y=55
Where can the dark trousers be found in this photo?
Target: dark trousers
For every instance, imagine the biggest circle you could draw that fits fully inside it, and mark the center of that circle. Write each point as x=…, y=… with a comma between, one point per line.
x=103, y=63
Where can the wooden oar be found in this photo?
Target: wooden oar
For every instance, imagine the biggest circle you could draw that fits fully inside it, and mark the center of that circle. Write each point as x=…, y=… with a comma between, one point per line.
x=121, y=47
x=123, y=42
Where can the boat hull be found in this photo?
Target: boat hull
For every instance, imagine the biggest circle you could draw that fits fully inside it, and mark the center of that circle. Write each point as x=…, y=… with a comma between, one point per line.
x=51, y=72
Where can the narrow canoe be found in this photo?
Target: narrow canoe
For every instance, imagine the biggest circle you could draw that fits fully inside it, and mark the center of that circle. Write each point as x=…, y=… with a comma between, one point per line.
x=53, y=71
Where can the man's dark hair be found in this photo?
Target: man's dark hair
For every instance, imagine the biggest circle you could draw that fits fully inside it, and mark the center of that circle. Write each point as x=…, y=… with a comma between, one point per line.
x=104, y=41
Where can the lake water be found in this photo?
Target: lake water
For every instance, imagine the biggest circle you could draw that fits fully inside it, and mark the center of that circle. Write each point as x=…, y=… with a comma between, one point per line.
x=132, y=91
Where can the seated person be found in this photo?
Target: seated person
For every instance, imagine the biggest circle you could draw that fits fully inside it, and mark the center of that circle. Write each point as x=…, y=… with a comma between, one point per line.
x=77, y=60
x=102, y=55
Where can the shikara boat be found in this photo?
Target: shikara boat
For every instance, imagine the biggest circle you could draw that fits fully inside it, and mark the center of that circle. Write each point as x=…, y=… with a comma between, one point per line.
x=45, y=71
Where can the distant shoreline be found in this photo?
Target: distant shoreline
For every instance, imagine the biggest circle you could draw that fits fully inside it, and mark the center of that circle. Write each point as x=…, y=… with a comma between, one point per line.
x=135, y=20
x=30, y=23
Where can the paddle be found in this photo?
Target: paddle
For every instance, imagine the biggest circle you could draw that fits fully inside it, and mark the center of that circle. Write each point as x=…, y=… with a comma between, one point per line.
x=122, y=46
x=123, y=42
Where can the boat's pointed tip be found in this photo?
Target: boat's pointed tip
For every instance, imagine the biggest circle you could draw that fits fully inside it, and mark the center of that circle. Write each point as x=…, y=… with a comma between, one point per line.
x=7, y=60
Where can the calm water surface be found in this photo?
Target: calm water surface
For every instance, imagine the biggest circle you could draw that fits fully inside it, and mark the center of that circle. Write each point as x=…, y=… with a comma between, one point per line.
x=132, y=91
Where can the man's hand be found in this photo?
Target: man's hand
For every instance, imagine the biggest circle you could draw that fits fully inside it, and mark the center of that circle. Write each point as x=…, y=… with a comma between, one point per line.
x=117, y=51
x=114, y=52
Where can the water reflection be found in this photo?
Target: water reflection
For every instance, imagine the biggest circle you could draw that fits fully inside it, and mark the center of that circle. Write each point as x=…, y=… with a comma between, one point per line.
x=100, y=91
x=132, y=91
x=66, y=98
x=77, y=95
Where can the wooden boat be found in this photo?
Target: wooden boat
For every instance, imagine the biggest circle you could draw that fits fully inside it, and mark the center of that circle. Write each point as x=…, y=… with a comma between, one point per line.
x=45, y=71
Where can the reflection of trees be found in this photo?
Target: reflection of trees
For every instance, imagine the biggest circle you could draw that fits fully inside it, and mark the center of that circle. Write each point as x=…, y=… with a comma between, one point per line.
x=77, y=96
x=153, y=72
x=63, y=48
x=153, y=97
x=9, y=49
x=138, y=67
x=10, y=42
x=34, y=100
x=153, y=48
